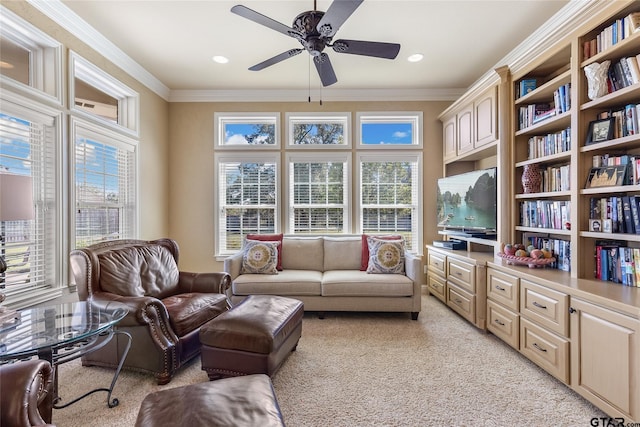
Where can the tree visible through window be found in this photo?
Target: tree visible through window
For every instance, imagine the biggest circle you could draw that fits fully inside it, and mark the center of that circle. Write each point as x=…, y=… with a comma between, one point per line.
x=247, y=199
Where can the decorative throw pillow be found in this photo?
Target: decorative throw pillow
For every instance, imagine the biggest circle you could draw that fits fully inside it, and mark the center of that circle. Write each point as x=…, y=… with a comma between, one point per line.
x=259, y=257
x=385, y=256
x=270, y=238
x=364, y=263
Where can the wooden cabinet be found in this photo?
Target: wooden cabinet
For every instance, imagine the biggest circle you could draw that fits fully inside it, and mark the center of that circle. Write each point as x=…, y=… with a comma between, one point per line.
x=464, y=120
x=459, y=281
x=450, y=138
x=503, y=318
x=605, y=358
x=486, y=118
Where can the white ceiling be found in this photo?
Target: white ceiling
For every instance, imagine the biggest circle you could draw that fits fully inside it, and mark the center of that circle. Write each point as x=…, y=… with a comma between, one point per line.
x=176, y=40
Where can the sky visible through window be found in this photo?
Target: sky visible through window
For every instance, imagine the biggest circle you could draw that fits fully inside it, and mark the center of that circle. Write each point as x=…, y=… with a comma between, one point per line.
x=387, y=133
x=372, y=133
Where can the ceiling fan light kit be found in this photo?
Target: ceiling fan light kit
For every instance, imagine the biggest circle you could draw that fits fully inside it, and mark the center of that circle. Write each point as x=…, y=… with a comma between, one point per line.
x=315, y=30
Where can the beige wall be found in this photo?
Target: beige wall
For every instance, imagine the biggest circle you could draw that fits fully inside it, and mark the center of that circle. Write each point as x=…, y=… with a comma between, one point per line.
x=191, y=135
x=154, y=119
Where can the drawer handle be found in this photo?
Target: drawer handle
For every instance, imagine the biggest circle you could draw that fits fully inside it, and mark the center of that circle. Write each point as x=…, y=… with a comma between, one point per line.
x=544, y=307
x=458, y=301
x=499, y=322
x=458, y=273
x=535, y=344
x=500, y=288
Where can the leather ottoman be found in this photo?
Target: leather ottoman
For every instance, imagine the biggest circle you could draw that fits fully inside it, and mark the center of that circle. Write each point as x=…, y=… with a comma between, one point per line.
x=241, y=401
x=254, y=337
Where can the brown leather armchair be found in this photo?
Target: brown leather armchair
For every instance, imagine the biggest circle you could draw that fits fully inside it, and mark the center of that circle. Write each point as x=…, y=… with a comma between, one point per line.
x=166, y=306
x=26, y=393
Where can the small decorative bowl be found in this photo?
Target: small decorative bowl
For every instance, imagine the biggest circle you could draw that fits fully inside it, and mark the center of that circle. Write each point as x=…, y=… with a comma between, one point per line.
x=528, y=261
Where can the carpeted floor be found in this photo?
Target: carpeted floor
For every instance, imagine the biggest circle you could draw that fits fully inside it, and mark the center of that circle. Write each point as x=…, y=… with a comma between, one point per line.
x=372, y=369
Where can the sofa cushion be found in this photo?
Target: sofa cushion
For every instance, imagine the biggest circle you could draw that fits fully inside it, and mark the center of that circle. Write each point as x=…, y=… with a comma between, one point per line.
x=287, y=282
x=359, y=283
x=385, y=256
x=303, y=253
x=136, y=271
x=364, y=263
x=259, y=257
x=270, y=238
x=341, y=253
x=188, y=312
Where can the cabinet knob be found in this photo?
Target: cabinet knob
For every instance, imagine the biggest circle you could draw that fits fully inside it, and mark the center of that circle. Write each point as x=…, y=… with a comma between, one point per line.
x=572, y=310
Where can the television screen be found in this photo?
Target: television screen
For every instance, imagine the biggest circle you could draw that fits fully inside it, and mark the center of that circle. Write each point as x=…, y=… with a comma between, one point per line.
x=468, y=201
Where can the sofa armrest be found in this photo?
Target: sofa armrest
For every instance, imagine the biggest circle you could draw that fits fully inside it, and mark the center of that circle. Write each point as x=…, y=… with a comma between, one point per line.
x=217, y=282
x=28, y=392
x=233, y=265
x=412, y=267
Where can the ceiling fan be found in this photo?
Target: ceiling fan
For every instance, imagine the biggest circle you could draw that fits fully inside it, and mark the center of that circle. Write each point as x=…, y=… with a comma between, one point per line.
x=315, y=29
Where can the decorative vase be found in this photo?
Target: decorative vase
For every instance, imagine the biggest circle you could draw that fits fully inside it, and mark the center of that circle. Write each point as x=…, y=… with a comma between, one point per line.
x=596, y=75
x=531, y=179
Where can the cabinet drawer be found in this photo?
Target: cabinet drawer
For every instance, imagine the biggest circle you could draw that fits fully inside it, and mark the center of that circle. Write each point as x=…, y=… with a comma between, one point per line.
x=545, y=349
x=437, y=287
x=504, y=324
x=462, y=274
x=437, y=263
x=545, y=306
x=503, y=288
x=462, y=302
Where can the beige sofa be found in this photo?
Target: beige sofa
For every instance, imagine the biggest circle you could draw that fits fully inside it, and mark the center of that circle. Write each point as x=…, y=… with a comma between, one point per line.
x=324, y=273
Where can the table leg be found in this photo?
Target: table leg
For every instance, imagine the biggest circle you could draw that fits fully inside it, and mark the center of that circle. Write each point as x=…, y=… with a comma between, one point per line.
x=110, y=402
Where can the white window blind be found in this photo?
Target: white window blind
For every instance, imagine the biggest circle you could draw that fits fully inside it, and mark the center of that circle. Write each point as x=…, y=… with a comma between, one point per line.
x=28, y=237
x=105, y=187
x=389, y=198
x=318, y=195
x=247, y=199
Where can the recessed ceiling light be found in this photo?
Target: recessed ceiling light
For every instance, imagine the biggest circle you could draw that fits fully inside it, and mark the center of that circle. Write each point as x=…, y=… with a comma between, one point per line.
x=220, y=59
x=415, y=57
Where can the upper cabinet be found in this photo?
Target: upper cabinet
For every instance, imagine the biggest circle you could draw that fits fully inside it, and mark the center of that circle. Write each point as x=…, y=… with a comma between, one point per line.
x=471, y=127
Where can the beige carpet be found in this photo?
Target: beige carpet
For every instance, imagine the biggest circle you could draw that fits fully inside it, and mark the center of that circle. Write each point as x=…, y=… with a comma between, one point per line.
x=363, y=369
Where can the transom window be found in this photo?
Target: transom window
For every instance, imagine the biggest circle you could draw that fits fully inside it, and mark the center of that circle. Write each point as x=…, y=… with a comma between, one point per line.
x=247, y=130
x=389, y=130
x=329, y=130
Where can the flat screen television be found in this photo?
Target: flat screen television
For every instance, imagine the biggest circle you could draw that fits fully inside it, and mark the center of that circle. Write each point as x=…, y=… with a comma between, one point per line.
x=468, y=202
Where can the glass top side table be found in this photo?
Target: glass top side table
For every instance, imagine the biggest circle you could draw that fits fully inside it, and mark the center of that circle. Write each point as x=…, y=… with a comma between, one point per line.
x=61, y=333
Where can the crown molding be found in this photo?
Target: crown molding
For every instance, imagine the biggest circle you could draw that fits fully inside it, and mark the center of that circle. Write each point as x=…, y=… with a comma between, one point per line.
x=71, y=22
x=303, y=95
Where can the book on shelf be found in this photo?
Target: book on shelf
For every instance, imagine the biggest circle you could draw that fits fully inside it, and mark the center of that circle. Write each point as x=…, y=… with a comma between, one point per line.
x=616, y=262
x=612, y=34
x=525, y=86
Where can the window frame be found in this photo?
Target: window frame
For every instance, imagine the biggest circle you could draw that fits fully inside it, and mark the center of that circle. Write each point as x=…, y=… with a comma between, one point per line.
x=415, y=118
x=343, y=118
x=221, y=119
x=80, y=126
x=298, y=157
x=218, y=207
x=412, y=157
x=45, y=68
x=52, y=209
x=128, y=121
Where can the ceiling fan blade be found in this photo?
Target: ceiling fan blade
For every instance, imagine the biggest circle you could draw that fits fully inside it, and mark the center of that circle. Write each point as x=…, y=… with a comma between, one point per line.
x=259, y=18
x=284, y=55
x=325, y=69
x=361, y=47
x=335, y=16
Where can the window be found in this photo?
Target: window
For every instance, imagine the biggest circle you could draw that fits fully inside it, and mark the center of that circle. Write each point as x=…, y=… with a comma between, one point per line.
x=247, y=198
x=98, y=96
x=319, y=130
x=390, y=197
x=390, y=130
x=104, y=184
x=30, y=60
x=319, y=194
x=249, y=130
x=29, y=211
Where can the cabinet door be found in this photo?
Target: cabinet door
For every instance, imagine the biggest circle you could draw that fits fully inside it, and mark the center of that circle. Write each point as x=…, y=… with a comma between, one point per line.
x=465, y=129
x=605, y=358
x=486, y=118
x=449, y=136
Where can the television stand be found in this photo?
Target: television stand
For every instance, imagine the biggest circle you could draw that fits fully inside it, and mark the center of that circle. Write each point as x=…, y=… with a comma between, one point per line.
x=476, y=241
